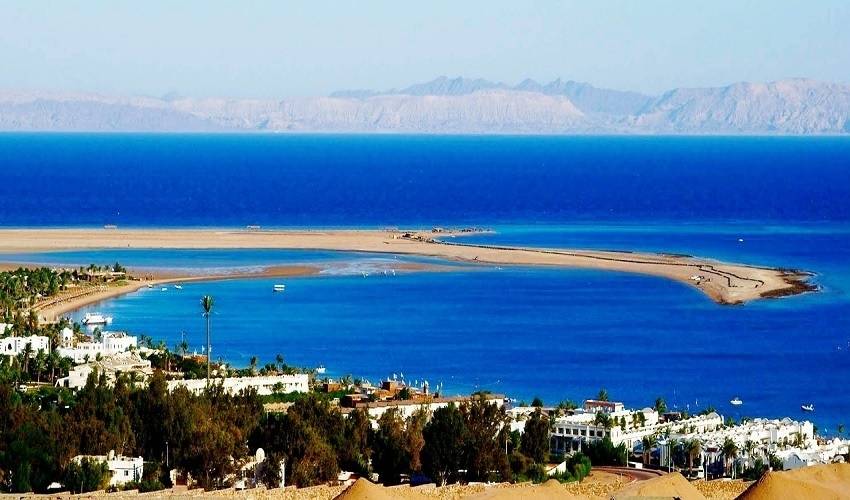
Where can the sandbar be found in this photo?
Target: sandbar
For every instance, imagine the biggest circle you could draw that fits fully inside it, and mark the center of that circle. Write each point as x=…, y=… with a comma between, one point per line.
x=724, y=283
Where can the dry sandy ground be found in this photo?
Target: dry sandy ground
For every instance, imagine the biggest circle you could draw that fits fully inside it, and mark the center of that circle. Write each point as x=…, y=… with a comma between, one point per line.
x=598, y=486
x=724, y=283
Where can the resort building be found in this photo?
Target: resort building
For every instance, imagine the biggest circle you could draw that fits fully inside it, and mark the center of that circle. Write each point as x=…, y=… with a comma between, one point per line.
x=792, y=442
x=109, y=365
x=122, y=469
x=12, y=346
x=265, y=385
x=110, y=343
x=406, y=408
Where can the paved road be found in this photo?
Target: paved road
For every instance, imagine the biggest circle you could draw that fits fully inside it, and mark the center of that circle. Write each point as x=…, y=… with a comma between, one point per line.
x=632, y=475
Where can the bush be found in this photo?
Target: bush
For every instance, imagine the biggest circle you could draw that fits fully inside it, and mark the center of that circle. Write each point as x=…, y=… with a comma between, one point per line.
x=605, y=453
x=578, y=468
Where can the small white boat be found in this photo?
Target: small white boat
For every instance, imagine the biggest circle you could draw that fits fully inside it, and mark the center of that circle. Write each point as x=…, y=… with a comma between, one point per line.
x=150, y=286
x=96, y=319
x=279, y=288
x=178, y=287
x=321, y=369
x=737, y=401
x=164, y=289
x=810, y=407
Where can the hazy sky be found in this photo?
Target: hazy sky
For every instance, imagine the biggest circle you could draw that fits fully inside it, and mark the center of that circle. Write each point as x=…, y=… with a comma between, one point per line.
x=279, y=48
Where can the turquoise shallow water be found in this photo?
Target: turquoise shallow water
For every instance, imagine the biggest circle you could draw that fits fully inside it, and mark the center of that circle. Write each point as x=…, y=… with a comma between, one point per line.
x=525, y=332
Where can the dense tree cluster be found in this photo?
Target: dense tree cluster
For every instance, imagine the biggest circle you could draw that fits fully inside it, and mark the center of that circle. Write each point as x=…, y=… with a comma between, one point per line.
x=316, y=441
x=204, y=435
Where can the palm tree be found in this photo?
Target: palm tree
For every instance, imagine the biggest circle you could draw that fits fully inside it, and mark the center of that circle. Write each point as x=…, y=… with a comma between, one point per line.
x=207, y=305
x=53, y=363
x=692, y=448
x=26, y=354
x=730, y=452
x=253, y=364
x=647, y=443
x=39, y=364
x=602, y=419
x=750, y=448
x=840, y=430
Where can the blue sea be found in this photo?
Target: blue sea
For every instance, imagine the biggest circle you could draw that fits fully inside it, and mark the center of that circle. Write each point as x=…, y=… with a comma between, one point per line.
x=524, y=332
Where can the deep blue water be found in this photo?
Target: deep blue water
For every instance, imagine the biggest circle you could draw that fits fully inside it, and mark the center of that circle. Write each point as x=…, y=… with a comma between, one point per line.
x=526, y=332
x=274, y=180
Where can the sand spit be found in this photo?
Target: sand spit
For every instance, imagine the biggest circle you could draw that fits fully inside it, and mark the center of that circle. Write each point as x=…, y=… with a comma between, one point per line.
x=724, y=283
x=54, y=307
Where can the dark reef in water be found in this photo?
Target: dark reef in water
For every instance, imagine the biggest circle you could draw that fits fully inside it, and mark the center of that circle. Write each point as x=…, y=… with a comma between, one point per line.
x=798, y=284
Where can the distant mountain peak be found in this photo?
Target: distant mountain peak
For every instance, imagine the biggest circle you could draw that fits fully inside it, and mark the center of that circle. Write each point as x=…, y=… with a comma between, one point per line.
x=444, y=85
x=456, y=105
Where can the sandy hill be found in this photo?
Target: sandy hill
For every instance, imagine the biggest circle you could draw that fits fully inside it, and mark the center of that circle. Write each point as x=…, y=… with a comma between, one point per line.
x=669, y=486
x=823, y=482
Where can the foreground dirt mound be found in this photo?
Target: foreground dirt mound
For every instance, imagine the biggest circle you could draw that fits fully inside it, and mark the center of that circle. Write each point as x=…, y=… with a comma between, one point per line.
x=550, y=489
x=669, y=486
x=821, y=481
x=362, y=489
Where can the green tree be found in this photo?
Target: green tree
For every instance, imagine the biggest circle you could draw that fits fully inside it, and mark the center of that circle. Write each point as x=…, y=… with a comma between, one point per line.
x=660, y=405
x=445, y=436
x=603, y=452
x=390, y=457
x=647, y=443
x=692, y=449
x=207, y=306
x=355, y=452
x=730, y=453
x=603, y=395
x=487, y=424
x=306, y=437
x=535, y=440
x=537, y=402
x=86, y=475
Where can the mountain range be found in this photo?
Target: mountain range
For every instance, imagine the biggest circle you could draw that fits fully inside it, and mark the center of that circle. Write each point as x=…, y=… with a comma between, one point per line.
x=456, y=105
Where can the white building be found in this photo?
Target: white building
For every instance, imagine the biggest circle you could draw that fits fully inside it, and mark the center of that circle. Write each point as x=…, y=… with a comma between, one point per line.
x=406, y=408
x=111, y=343
x=12, y=346
x=265, y=385
x=123, y=469
x=570, y=431
x=110, y=365
x=793, y=442
x=115, y=342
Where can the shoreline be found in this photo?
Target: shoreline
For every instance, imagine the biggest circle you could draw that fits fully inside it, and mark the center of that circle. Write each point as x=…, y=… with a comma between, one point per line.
x=724, y=283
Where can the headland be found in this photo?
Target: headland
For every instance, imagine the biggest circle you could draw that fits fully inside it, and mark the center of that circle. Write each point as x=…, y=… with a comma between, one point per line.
x=724, y=283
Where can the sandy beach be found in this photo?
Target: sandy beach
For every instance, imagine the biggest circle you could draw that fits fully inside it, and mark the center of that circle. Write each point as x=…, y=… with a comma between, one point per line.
x=725, y=283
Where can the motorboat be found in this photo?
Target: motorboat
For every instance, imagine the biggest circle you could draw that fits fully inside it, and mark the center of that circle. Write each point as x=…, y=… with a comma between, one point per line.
x=178, y=287
x=164, y=289
x=809, y=407
x=737, y=402
x=279, y=288
x=96, y=318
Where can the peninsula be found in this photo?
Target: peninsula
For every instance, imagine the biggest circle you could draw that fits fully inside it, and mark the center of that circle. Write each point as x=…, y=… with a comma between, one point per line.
x=725, y=283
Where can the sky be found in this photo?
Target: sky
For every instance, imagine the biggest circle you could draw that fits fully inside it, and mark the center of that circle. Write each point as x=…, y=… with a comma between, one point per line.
x=284, y=49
